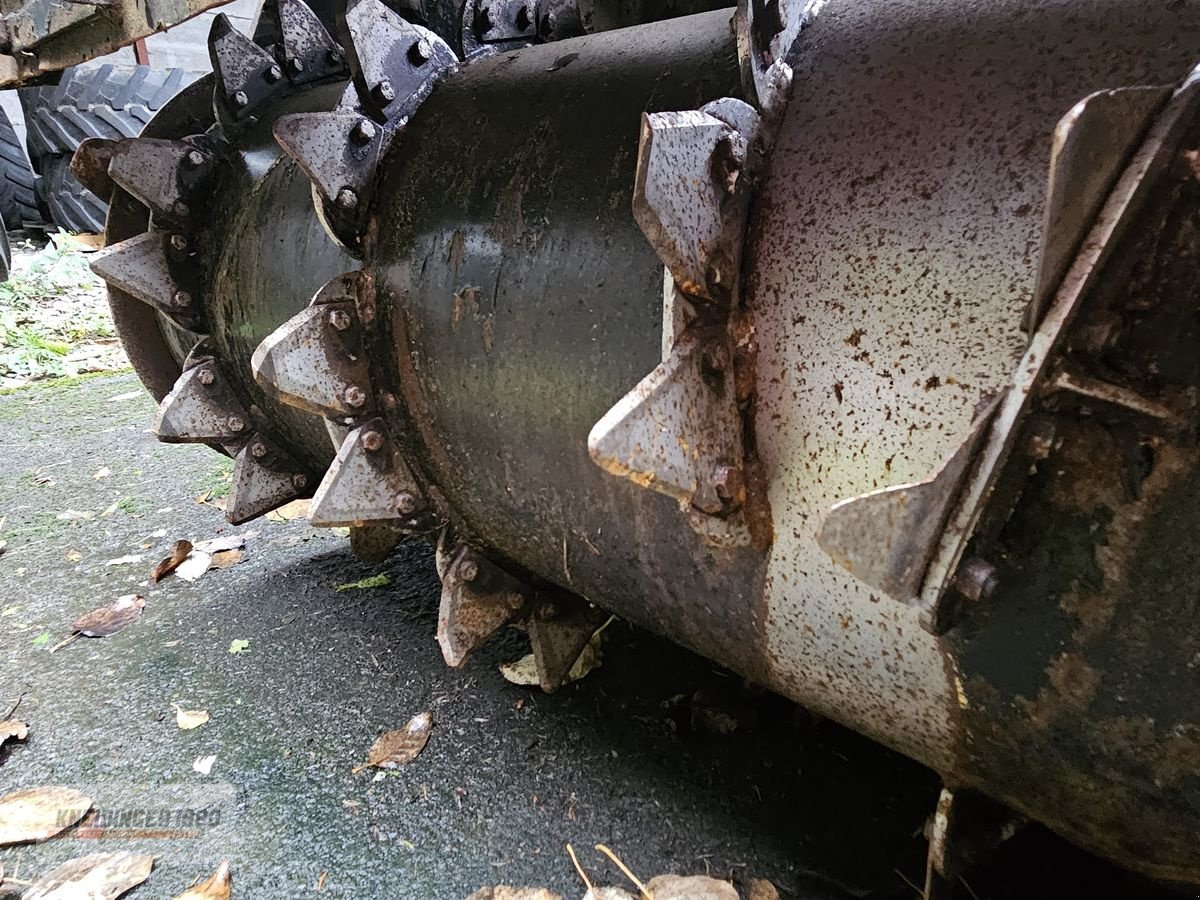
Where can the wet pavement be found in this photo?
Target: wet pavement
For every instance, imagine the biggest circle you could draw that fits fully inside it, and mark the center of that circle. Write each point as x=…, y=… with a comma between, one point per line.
x=629, y=756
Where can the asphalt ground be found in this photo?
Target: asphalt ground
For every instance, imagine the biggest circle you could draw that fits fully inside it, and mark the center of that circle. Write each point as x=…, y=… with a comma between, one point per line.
x=632, y=756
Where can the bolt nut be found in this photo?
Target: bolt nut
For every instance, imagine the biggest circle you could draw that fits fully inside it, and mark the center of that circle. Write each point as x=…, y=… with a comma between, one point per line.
x=1040, y=443
x=180, y=208
x=355, y=396
x=363, y=131
x=406, y=503
x=729, y=485
x=179, y=242
x=195, y=159
x=273, y=74
x=977, y=579
x=384, y=92
x=371, y=441
x=240, y=99
x=420, y=52
x=235, y=423
x=299, y=481
x=295, y=65
x=547, y=611
x=258, y=449
x=346, y=199
x=339, y=319
x=334, y=56
x=468, y=570
x=182, y=298
x=206, y=376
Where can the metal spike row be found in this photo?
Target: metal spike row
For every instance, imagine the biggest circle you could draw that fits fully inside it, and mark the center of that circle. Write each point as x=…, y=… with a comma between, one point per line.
x=394, y=63
x=264, y=478
x=679, y=432
x=307, y=52
x=170, y=177
x=559, y=629
x=368, y=482
x=478, y=599
x=245, y=73
x=315, y=360
x=142, y=268
x=202, y=407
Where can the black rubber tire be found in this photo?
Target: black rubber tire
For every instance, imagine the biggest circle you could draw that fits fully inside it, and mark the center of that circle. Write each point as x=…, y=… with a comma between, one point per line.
x=5, y=254
x=18, y=197
x=105, y=101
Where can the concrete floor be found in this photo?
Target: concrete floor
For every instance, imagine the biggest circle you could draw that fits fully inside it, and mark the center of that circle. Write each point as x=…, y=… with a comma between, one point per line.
x=509, y=775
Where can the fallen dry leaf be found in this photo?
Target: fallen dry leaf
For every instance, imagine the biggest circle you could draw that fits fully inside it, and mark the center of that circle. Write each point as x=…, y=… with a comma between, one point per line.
x=230, y=542
x=187, y=719
x=194, y=565
x=74, y=556
x=124, y=560
x=761, y=889
x=225, y=559
x=39, y=813
x=524, y=670
x=504, y=892
x=215, y=887
x=608, y=893
x=14, y=729
x=75, y=515
x=179, y=552
x=690, y=887
x=99, y=876
x=401, y=746
x=102, y=472
x=108, y=620
x=204, y=764
x=201, y=559
x=297, y=509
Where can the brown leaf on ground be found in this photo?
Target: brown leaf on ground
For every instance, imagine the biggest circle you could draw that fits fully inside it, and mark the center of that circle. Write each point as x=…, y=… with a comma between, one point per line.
x=179, y=552
x=504, y=892
x=187, y=719
x=39, y=813
x=761, y=889
x=297, y=509
x=98, y=876
x=225, y=559
x=401, y=746
x=608, y=893
x=108, y=620
x=215, y=887
x=690, y=887
x=13, y=728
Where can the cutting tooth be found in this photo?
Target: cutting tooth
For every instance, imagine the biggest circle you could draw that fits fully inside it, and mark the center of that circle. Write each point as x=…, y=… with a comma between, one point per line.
x=478, y=599
x=264, y=478
x=309, y=53
x=201, y=407
x=559, y=630
x=90, y=166
x=139, y=267
x=315, y=360
x=308, y=137
x=394, y=63
x=170, y=177
x=368, y=482
x=245, y=73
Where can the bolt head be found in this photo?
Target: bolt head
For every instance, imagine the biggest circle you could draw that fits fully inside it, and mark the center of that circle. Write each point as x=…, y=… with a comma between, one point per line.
x=355, y=396
x=258, y=449
x=468, y=570
x=180, y=208
x=346, y=199
x=235, y=423
x=195, y=159
x=295, y=65
x=363, y=131
x=182, y=298
x=179, y=241
x=371, y=441
x=339, y=319
x=206, y=376
x=299, y=481
x=273, y=74
x=420, y=52
x=384, y=91
x=977, y=579
x=406, y=503
x=240, y=99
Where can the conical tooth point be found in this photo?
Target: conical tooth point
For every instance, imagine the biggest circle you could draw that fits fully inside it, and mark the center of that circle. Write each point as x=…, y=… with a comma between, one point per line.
x=478, y=599
x=90, y=165
x=264, y=478
x=368, y=482
x=139, y=267
x=200, y=408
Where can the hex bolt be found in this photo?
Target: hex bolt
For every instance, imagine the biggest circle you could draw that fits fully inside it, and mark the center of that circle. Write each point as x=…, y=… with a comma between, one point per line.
x=182, y=298
x=195, y=159
x=206, y=376
x=371, y=441
x=547, y=611
x=179, y=242
x=1041, y=438
x=235, y=423
x=355, y=396
x=406, y=503
x=339, y=319
x=299, y=481
x=524, y=17
x=240, y=99
x=513, y=600
x=729, y=485
x=273, y=74
x=295, y=65
x=180, y=208
x=420, y=52
x=977, y=579
x=334, y=56
x=258, y=449
x=384, y=92
x=346, y=199
x=468, y=570
x=363, y=131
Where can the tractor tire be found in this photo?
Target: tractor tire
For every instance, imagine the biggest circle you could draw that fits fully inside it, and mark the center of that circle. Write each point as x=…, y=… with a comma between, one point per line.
x=18, y=196
x=106, y=102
